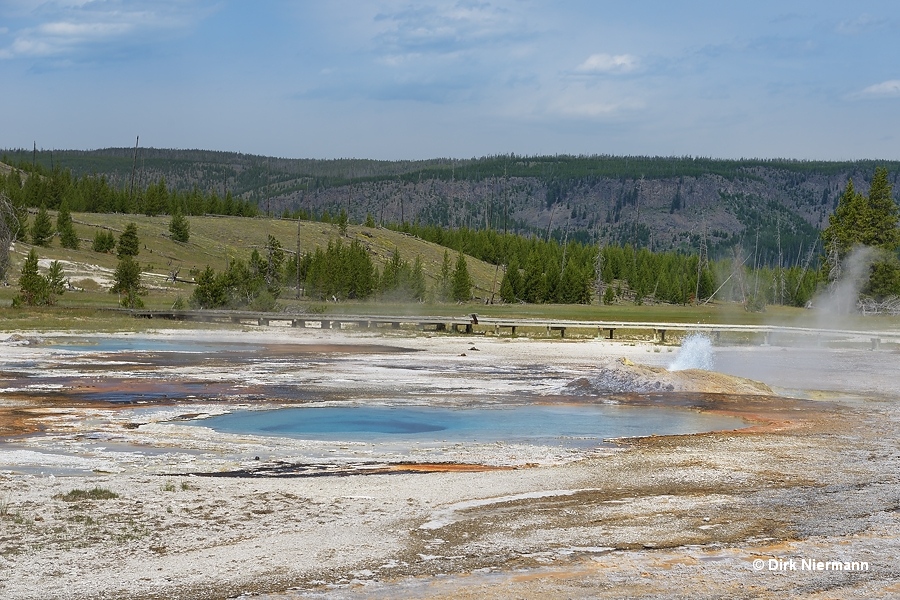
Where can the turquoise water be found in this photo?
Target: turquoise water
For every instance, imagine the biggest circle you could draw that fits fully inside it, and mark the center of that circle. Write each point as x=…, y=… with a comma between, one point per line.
x=569, y=425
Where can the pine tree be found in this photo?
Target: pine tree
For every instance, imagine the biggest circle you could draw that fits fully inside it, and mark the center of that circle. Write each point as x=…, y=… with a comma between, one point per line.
x=533, y=285
x=34, y=190
x=417, y=280
x=67, y=236
x=608, y=295
x=273, y=267
x=574, y=286
x=511, y=283
x=390, y=277
x=515, y=279
x=882, y=229
x=859, y=220
x=128, y=245
x=552, y=278
x=362, y=278
x=42, y=228
x=156, y=198
x=866, y=221
x=462, y=283
x=104, y=241
x=507, y=294
x=36, y=289
x=884, y=279
x=210, y=292
x=33, y=288
x=179, y=227
x=707, y=285
x=445, y=291
x=21, y=217
x=127, y=282
x=402, y=281
x=57, y=187
x=56, y=283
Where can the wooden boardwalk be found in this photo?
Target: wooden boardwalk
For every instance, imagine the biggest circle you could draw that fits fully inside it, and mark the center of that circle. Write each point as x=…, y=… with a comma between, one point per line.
x=455, y=324
x=766, y=334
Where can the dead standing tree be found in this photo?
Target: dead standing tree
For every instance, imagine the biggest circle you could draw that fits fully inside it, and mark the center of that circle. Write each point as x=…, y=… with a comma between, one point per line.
x=9, y=227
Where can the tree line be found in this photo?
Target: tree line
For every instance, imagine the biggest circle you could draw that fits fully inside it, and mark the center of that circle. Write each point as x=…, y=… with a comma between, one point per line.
x=865, y=221
x=53, y=188
x=261, y=177
x=535, y=269
x=338, y=272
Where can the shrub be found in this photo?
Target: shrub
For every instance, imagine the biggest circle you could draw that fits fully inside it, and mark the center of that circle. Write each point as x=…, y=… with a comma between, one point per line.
x=104, y=241
x=36, y=289
x=98, y=493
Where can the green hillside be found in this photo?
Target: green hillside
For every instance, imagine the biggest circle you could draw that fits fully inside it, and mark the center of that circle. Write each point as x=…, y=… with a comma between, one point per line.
x=770, y=208
x=213, y=242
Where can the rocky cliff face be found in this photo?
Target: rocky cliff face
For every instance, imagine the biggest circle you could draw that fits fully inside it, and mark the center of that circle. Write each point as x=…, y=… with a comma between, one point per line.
x=662, y=213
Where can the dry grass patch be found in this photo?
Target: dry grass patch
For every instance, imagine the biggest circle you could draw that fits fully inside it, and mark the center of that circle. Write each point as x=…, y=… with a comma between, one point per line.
x=97, y=493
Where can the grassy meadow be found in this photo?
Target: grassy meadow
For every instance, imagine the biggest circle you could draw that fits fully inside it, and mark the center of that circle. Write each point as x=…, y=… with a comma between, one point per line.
x=215, y=240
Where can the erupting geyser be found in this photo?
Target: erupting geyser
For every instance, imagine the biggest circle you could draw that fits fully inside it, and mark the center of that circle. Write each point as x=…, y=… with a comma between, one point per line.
x=696, y=352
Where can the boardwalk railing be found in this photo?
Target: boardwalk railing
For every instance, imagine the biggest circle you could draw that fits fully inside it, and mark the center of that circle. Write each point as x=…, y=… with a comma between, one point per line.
x=455, y=324
x=768, y=334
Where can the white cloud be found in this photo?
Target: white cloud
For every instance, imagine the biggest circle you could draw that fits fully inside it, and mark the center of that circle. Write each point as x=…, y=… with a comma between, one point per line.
x=590, y=110
x=860, y=24
x=84, y=30
x=885, y=89
x=63, y=28
x=608, y=63
x=605, y=102
x=435, y=29
x=461, y=49
x=29, y=47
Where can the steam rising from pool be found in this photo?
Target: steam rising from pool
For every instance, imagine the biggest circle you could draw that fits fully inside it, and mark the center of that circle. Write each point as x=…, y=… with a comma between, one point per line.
x=696, y=352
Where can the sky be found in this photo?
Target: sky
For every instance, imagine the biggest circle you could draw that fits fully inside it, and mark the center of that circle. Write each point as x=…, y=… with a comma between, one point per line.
x=386, y=79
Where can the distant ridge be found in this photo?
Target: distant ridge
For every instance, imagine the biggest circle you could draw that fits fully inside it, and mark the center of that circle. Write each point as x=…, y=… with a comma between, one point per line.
x=657, y=202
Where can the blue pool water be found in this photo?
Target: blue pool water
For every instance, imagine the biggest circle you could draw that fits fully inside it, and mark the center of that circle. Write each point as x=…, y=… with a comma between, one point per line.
x=568, y=425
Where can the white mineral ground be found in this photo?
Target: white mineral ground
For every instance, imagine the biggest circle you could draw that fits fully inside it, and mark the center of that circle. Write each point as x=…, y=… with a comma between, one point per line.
x=816, y=476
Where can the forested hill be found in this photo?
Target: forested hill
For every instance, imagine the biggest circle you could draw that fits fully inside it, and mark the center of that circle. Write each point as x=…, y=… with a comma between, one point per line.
x=655, y=202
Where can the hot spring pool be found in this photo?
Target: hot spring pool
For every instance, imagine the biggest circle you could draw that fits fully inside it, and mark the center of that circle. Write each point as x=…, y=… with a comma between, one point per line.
x=575, y=425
